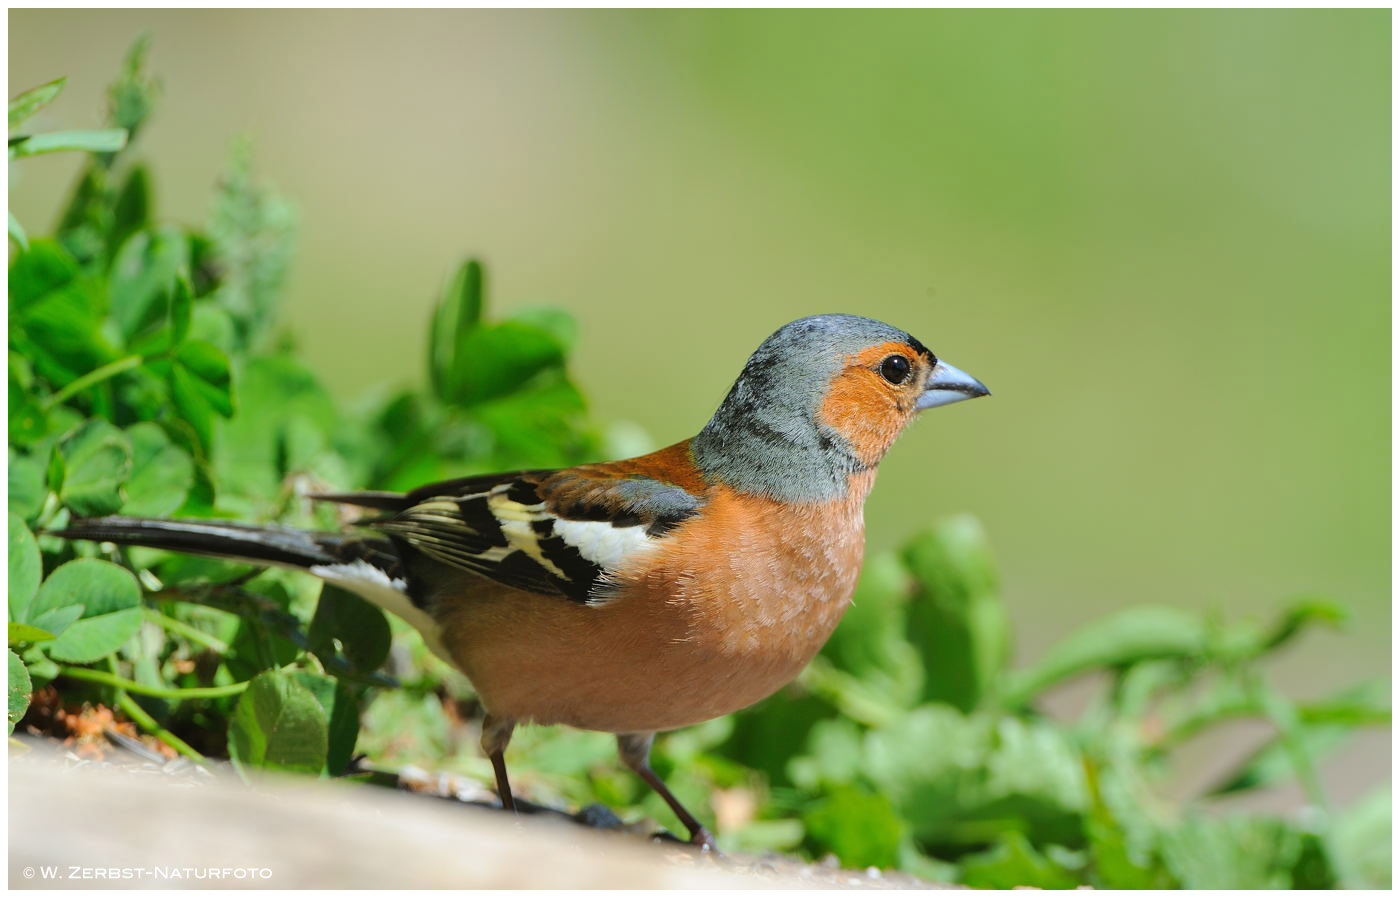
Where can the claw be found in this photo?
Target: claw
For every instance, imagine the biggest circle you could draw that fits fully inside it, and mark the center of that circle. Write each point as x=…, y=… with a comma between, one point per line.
x=702, y=839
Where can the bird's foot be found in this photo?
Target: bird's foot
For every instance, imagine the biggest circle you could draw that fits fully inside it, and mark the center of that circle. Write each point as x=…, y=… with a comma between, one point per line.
x=700, y=839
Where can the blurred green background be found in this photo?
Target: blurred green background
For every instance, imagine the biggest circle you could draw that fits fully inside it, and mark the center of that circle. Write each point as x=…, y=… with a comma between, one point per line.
x=1161, y=237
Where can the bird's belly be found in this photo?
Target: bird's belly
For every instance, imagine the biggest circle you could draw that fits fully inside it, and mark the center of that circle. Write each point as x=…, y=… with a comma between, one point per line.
x=674, y=648
x=608, y=673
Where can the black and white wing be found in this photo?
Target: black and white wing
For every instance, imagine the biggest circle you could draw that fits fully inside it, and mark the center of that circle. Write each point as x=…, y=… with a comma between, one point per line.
x=552, y=532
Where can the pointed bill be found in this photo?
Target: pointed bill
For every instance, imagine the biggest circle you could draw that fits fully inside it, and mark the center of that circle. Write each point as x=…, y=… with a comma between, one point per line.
x=947, y=385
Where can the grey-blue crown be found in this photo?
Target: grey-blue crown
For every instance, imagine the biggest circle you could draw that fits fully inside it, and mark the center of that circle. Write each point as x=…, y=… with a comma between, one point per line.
x=766, y=437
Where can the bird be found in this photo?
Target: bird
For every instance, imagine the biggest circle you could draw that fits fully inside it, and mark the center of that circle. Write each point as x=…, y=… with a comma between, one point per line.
x=637, y=596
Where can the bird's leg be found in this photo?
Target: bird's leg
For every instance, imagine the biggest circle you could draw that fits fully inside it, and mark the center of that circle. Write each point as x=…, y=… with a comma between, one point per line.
x=635, y=751
x=495, y=736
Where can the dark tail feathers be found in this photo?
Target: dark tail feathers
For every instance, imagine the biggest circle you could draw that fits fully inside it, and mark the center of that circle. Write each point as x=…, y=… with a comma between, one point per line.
x=243, y=542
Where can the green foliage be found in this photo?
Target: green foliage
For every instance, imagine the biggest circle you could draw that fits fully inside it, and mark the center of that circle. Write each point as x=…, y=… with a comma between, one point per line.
x=956, y=616
x=279, y=724
x=147, y=377
x=109, y=600
x=859, y=825
x=19, y=689
x=977, y=776
x=34, y=99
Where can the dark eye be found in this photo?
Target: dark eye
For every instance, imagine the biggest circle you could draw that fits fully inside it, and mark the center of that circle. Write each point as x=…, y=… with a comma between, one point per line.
x=895, y=369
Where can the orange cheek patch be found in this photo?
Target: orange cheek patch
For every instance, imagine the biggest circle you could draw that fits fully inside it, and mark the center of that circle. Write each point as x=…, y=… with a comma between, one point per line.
x=864, y=410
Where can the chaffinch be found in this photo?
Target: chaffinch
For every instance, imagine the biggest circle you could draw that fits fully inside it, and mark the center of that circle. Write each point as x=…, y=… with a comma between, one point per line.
x=640, y=595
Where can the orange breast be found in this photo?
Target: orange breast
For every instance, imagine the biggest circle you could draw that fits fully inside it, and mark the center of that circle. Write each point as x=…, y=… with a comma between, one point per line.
x=730, y=608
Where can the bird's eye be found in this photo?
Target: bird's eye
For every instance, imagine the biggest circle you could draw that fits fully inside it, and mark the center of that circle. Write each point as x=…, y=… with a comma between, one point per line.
x=895, y=369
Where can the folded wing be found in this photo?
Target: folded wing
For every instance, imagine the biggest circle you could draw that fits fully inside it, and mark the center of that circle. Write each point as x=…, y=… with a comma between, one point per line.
x=554, y=532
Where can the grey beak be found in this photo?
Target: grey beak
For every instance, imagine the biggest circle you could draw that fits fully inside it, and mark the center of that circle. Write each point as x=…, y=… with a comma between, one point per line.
x=947, y=385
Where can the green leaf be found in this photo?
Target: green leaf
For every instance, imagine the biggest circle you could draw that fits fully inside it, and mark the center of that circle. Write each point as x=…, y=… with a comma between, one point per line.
x=360, y=627
x=861, y=827
x=132, y=96
x=26, y=633
x=161, y=473
x=956, y=619
x=1144, y=633
x=1302, y=613
x=56, y=470
x=27, y=422
x=1363, y=841
x=767, y=736
x=43, y=268
x=212, y=325
x=542, y=426
x=1243, y=852
x=279, y=724
x=143, y=277
x=928, y=763
x=1121, y=836
x=19, y=689
x=41, y=670
x=492, y=361
x=180, y=310
x=873, y=705
x=82, y=228
x=106, y=141
x=26, y=569
x=341, y=702
x=556, y=322
x=56, y=317
x=1014, y=862
x=201, y=387
x=132, y=211
x=960, y=780
x=26, y=417
x=108, y=599
x=1316, y=865
x=1034, y=765
x=343, y=733
x=57, y=620
x=27, y=487
x=456, y=315
x=209, y=370
x=34, y=99
x=263, y=642
x=191, y=407
x=276, y=396
x=97, y=461
x=17, y=234
x=834, y=754
x=1324, y=727
x=142, y=390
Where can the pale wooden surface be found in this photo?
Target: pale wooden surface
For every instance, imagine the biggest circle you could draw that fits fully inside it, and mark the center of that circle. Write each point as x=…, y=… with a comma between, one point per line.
x=312, y=834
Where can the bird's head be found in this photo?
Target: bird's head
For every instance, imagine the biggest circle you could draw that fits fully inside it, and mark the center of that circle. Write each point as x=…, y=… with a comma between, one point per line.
x=824, y=397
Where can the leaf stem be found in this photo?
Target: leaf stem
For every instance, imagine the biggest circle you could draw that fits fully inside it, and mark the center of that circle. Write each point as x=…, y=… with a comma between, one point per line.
x=193, y=634
x=173, y=694
x=1284, y=716
x=96, y=376
x=148, y=723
